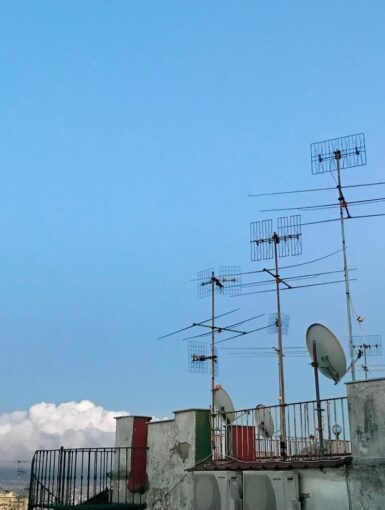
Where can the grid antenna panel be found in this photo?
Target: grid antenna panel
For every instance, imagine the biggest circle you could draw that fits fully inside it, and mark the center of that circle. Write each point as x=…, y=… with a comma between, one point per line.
x=204, y=282
x=199, y=358
x=261, y=234
x=350, y=151
x=371, y=343
x=230, y=277
x=273, y=323
x=290, y=235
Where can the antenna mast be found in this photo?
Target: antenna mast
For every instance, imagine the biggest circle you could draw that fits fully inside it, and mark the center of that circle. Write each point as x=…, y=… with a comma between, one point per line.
x=227, y=281
x=267, y=244
x=333, y=156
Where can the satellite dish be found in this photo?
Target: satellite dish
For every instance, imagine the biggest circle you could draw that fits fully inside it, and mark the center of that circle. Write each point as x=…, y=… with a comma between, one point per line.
x=330, y=355
x=224, y=405
x=264, y=421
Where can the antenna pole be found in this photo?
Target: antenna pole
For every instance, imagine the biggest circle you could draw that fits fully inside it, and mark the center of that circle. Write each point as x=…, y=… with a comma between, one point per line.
x=365, y=362
x=338, y=155
x=212, y=366
x=281, y=397
x=318, y=398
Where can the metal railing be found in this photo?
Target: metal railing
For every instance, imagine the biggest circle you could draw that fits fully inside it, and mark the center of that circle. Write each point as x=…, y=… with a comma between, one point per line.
x=256, y=434
x=93, y=477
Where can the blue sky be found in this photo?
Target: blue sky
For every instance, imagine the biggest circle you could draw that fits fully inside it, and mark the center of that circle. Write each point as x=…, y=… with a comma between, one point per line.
x=132, y=133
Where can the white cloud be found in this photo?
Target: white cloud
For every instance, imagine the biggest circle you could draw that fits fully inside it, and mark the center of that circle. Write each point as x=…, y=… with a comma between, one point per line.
x=45, y=426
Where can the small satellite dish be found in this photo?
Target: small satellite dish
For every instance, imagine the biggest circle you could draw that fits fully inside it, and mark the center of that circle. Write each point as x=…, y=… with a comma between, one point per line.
x=264, y=421
x=330, y=355
x=223, y=404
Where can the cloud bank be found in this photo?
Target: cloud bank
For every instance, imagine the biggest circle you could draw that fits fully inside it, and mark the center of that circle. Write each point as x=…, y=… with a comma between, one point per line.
x=46, y=426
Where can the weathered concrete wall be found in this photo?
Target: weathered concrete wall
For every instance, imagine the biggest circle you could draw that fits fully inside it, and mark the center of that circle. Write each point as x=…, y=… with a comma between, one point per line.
x=323, y=489
x=366, y=401
x=355, y=487
x=367, y=487
x=174, y=446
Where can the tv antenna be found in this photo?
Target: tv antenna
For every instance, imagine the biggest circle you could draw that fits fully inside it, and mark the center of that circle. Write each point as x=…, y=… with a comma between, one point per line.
x=333, y=156
x=267, y=243
x=266, y=352
x=369, y=345
x=199, y=355
x=227, y=281
x=273, y=323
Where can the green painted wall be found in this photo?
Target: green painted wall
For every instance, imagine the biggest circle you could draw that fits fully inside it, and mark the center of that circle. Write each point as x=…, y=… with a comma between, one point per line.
x=202, y=436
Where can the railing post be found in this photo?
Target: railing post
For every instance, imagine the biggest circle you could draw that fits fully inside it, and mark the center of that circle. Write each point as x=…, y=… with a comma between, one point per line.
x=31, y=483
x=60, y=477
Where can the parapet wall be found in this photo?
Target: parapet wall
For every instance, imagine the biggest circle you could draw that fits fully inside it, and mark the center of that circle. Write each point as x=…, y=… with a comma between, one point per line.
x=174, y=446
x=366, y=402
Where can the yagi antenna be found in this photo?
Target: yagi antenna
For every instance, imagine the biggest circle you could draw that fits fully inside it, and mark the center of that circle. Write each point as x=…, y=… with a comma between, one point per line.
x=369, y=345
x=196, y=324
x=228, y=328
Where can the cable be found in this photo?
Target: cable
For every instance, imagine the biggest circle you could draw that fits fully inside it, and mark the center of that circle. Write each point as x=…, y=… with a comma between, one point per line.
x=298, y=277
x=315, y=189
x=349, y=218
x=289, y=192
x=311, y=261
x=295, y=265
x=366, y=201
x=257, y=348
x=291, y=288
x=356, y=315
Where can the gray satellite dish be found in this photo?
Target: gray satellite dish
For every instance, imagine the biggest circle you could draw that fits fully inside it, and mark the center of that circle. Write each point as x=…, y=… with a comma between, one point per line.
x=330, y=355
x=224, y=405
x=264, y=421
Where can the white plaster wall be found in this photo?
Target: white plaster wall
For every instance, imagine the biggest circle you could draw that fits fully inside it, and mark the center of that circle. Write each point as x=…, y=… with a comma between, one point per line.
x=124, y=428
x=171, y=451
x=122, y=461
